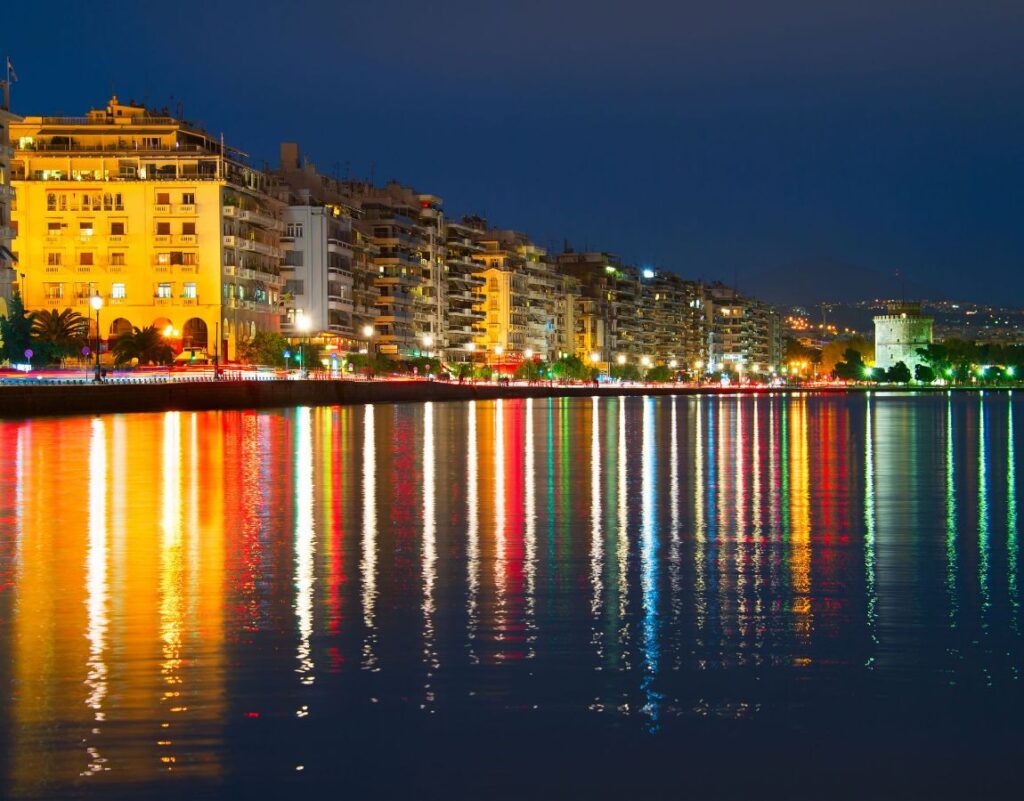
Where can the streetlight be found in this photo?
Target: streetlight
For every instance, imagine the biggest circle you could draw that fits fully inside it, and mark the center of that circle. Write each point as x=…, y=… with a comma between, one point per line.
x=302, y=323
x=674, y=363
x=595, y=357
x=470, y=346
x=498, y=350
x=621, y=358
x=428, y=342
x=645, y=361
x=97, y=303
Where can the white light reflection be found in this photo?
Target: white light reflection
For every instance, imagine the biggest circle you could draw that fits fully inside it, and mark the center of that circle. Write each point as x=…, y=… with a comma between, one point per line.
x=1011, y=520
x=172, y=613
x=96, y=588
x=429, y=569
x=649, y=564
x=622, y=538
x=983, y=532
x=700, y=600
x=368, y=561
x=869, y=529
x=531, y=533
x=951, y=537
x=305, y=545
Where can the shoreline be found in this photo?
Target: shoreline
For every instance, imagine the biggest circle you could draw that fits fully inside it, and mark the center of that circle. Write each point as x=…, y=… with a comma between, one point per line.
x=40, y=400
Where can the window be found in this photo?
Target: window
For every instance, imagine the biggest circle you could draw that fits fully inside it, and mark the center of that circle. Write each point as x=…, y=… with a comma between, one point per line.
x=295, y=287
x=163, y=290
x=190, y=258
x=117, y=228
x=189, y=290
x=188, y=229
x=176, y=257
x=85, y=228
x=163, y=198
x=163, y=229
x=85, y=259
x=53, y=228
x=117, y=291
x=117, y=259
x=163, y=258
x=51, y=201
x=293, y=258
x=108, y=202
x=188, y=198
x=53, y=259
x=54, y=291
x=294, y=230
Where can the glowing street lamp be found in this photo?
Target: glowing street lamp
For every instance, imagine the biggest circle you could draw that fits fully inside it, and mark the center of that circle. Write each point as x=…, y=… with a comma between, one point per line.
x=621, y=358
x=428, y=341
x=674, y=363
x=595, y=357
x=97, y=303
x=528, y=353
x=470, y=346
x=498, y=350
x=645, y=361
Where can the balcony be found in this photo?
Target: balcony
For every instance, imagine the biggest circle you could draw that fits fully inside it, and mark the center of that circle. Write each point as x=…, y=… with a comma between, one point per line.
x=190, y=301
x=163, y=301
x=186, y=208
x=230, y=269
x=162, y=239
x=231, y=212
x=260, y=219
x=116, y=238
x=162, y=208
x=118, y=301
x=230, y=241
x=187, y=239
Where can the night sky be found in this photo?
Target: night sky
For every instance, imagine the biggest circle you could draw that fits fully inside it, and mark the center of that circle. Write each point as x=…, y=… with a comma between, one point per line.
x=726, y=140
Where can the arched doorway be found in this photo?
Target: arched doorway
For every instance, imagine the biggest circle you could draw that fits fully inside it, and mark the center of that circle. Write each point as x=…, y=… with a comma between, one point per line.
x=194, y=334
x=120, y=326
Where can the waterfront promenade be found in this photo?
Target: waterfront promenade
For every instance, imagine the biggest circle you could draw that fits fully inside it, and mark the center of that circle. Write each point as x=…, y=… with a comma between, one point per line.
x=19, y=400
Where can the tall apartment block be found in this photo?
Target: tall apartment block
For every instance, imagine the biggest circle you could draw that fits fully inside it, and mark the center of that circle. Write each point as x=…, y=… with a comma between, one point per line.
x=165, y=223
x=464, y=315
x=743, y=333
x=518, y=297
x=7, y=259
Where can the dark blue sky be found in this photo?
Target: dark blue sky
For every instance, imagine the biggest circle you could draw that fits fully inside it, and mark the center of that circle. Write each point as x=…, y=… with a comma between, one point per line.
x=719, y=139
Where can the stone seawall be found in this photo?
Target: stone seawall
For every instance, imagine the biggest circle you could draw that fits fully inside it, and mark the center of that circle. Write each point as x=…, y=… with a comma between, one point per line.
x=33, y=400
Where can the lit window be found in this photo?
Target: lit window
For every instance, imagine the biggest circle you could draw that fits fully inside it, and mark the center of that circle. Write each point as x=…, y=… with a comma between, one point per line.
x=163, y=258
x=163, y=290
x=85, y=228
x=53, y=259
x=117, y=259
x=190, y=290
x=117, y=291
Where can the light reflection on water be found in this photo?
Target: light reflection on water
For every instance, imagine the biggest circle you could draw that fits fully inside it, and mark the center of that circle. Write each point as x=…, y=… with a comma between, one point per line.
x=174, y=587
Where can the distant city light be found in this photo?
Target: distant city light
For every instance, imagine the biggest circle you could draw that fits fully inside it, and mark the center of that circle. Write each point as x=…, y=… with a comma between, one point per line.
x=648, y=273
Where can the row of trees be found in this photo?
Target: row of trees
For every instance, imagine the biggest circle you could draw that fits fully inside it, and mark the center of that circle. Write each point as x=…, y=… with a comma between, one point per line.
x=50, y=337
x=955, y=361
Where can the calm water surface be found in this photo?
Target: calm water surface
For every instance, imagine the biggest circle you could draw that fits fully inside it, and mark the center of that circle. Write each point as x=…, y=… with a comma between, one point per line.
x=792, y=596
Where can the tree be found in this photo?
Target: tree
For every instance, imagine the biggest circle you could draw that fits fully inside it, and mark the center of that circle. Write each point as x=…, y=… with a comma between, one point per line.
x=924, y=373
x=853, y=368
x=836, y=351
x=61, y=334
x=265, y=348
x=16, y=331
x=484, y=371
x=462, y=370
x=145, y=344
x=625, y=372
x=528, y=371
x=659, y=373
x=569, y=368
x=899, y=373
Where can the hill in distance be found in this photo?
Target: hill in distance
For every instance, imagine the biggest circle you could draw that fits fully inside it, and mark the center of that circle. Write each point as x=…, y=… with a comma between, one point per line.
x=809, y=282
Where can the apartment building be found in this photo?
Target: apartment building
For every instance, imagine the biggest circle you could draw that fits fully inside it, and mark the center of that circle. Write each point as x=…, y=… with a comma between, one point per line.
x=7, y=258
x=464, y=314
x=743, y=334
x=407, y=232
x=518, y=297
x=169, y=226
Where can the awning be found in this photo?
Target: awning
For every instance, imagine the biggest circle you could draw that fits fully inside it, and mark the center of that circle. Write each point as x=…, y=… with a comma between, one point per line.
x=5, y=253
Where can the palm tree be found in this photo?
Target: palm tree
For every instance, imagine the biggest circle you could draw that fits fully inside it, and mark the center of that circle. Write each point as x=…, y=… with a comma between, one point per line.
x=145, y=344
x=63, y=332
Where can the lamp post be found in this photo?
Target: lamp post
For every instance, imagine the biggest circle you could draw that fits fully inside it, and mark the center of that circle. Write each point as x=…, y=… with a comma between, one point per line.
x=96, y=301
x=368, y=333
x=302, y=323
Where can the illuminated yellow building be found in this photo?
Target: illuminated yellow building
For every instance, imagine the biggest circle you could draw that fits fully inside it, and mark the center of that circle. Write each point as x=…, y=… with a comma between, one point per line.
x=170, y=227
x=7, y=274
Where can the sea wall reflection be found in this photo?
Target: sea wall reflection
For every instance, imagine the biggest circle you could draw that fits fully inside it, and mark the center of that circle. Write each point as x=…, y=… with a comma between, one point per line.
x=168, y=578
